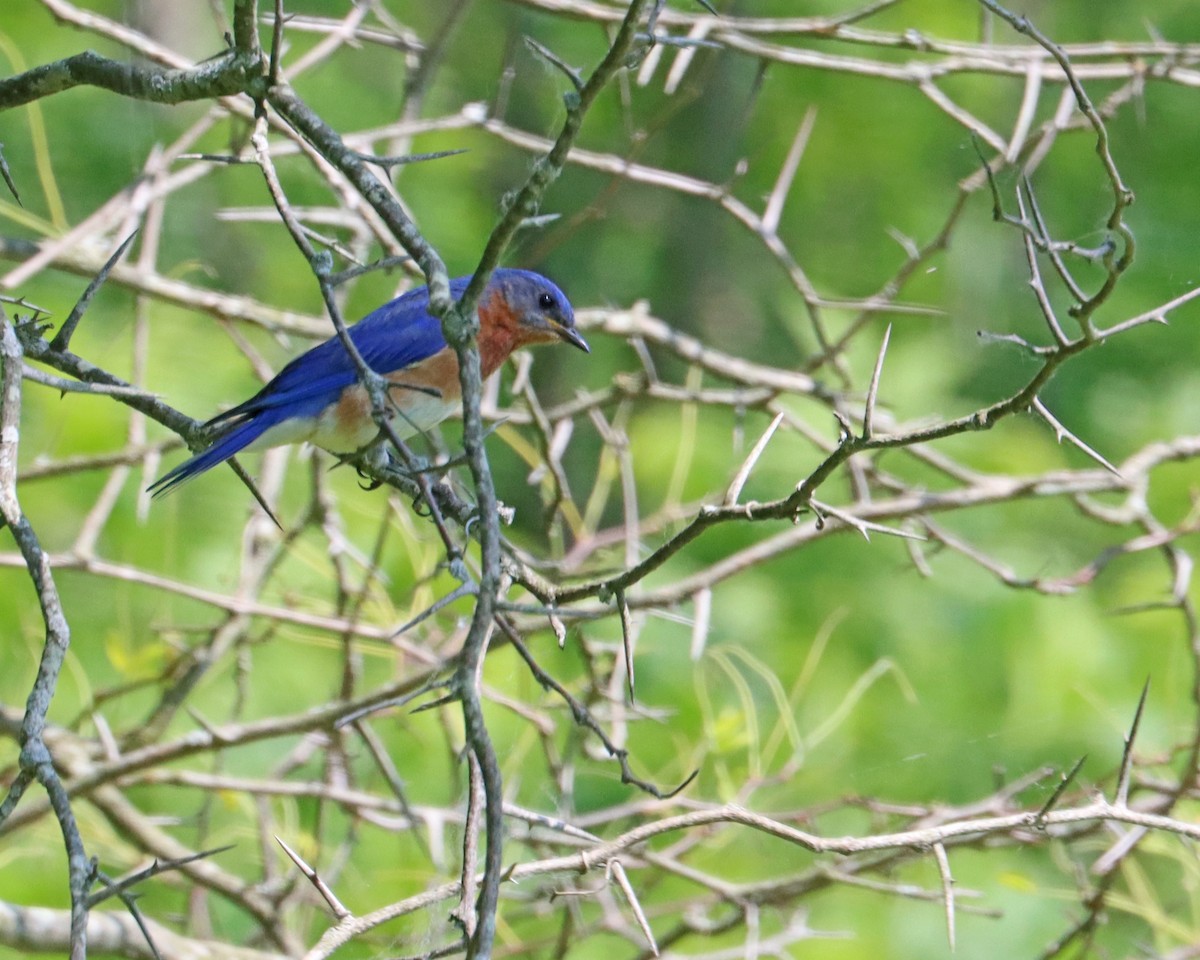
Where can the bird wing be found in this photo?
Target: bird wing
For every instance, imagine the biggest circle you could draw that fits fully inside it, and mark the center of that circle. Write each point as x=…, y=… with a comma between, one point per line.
x=394, y=336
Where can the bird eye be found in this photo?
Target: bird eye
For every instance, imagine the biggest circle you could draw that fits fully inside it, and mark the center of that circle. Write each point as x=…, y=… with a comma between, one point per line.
x=545, y=301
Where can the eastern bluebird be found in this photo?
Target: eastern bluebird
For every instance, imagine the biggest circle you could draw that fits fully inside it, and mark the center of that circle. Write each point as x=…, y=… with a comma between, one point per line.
x=317, y=397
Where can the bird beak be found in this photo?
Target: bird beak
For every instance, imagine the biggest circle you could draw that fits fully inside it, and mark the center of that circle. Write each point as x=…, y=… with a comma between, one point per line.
x=571, y=335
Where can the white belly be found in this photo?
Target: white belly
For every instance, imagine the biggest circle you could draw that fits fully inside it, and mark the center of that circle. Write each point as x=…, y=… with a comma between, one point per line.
x=418, y=412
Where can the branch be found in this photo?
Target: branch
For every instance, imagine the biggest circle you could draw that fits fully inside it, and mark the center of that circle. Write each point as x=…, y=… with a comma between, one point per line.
x=229, y=74
x=36, y=761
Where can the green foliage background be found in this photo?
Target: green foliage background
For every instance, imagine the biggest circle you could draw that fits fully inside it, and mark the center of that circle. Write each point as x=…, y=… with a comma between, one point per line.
x=842, y=657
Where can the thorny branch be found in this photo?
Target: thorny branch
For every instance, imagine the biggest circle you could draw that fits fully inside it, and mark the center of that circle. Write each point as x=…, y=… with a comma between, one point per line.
x=36, y=761
x=839, y=434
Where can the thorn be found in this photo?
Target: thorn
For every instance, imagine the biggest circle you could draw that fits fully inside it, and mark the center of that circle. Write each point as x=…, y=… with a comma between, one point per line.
x=743, y=474
x=254, y=491
x=1121, y=798
x=943, y=862
x=1061, y=433
x=873, y=389
x=682, y=786
x=388, y=162
x=787, y=173
x=63, y=338
x=627, y=640
x=469, y=588
x=554, y=60
x=364, y=711
x=824, y=510
x=559, y=628
x=618, y=873
x=7, y=175
x=321, y=886
x=1039, y=821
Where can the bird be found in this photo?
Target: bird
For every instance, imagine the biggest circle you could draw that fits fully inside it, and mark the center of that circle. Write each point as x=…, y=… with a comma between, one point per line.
x=318, y=398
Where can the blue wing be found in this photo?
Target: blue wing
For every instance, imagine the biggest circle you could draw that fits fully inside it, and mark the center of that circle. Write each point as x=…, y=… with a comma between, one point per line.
x=395, y=336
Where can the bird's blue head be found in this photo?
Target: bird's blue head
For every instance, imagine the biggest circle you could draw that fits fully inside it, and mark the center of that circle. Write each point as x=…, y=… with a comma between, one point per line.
x=541, y=311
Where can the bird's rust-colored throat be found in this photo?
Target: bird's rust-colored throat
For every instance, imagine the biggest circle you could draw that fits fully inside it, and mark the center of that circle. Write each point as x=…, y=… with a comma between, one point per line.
x=500, y=333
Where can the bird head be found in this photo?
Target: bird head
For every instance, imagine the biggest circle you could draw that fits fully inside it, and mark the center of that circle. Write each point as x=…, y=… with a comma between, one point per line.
x=541, y=311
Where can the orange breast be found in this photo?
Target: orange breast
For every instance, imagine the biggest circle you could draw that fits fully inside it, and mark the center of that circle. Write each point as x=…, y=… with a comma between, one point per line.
x=424, y=395
x=498, y=333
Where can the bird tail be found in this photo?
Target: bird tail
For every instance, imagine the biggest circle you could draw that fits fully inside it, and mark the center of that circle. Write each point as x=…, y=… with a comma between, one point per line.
x=229, y=444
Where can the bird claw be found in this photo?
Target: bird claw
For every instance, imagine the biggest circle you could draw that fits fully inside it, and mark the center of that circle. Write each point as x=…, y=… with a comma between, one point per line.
x=371, y=483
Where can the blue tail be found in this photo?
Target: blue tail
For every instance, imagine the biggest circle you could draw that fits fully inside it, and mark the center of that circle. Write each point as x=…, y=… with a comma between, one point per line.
x=226, y=446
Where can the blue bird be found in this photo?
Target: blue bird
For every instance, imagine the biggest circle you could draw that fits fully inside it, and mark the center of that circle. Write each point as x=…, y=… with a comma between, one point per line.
x=317, y=397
